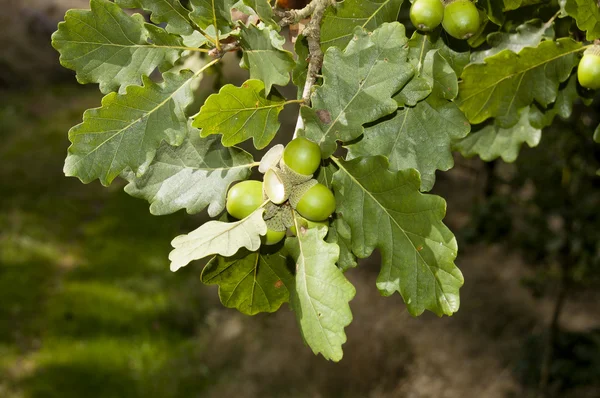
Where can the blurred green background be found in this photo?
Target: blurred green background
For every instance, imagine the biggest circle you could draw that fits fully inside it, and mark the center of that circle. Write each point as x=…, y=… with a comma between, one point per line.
x=89, y=308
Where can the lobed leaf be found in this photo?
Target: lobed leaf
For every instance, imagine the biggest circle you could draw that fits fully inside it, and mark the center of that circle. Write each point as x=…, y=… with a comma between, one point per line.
x=358, y=85
x=265, y=57
x=172, y=14
x=240, y=113
x=215, y=13
x=529, y=34
x=263, y=10
x=587, y=16
x=340, y=234
x=251, y=282
x=417, y=137
x=322, y=293
x=340, y=21
x=493, y=141
x=109, y=47
x=563, y=107
x=508, y=82
x=217, y=237
x=128, y=129
x=191, y=176
x=385, y=210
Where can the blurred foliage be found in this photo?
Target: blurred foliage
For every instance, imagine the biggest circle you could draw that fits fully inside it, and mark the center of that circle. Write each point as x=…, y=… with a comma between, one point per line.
x=88, y=307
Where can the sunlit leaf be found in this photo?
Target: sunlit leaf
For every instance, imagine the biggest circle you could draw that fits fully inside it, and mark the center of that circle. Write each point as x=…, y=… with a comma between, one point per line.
x=322, y=292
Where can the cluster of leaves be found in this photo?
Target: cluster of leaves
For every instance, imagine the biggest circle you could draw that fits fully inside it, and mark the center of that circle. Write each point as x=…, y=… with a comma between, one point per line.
x=398, y=104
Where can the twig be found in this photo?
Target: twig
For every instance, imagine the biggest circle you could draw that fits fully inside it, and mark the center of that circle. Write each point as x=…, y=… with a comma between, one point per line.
x=225, y=48
x=312, y=32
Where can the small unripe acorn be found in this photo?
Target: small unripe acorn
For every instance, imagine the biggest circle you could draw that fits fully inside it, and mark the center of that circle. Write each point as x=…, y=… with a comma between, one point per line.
x=426, y=15
x=302, y=155
x=273, y=237
x=461, y=19
x=317, y=204
x=588, y=71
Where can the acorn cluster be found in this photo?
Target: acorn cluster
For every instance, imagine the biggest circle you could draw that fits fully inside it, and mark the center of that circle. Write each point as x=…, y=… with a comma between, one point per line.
x=459, y=18
x=293, y=196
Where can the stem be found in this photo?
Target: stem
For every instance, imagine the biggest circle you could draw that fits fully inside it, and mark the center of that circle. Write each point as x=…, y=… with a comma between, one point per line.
x=312, y=32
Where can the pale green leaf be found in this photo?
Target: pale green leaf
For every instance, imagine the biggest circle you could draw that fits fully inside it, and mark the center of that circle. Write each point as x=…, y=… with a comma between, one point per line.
x=340, y=21
x=265, y=57
x=109, y=47
x=240, y=113
x=419, y=137
x=386, y=210
x=529, y=34
x=417, y=89
x=358, y=85
x=217, y=237
x=215, y=13
x=251, y=282
x=128, y=129
x=508, y=82
x=587, y=16
x=191, y=176
x=322, y=292
x=340, y=234
x=492, y=141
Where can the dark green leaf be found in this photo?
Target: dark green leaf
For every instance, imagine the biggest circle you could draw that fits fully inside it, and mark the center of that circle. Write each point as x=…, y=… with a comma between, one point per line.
x=493, y=141
x=340, y=234
x=109, y=47
x=128, y=129
x=358, y=85
x=529, y=34
x=215, y=13
x=385, y=210
x=508, y=82
x=251, y=282
x=340, y=21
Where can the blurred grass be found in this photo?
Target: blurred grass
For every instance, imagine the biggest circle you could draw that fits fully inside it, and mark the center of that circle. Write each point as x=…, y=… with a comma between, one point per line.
x=88, y=307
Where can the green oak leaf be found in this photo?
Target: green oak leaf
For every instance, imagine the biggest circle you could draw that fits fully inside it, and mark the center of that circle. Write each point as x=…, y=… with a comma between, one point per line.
x=340, y=234
x=420, y=45
x=240, y=113
x=508, y=82
x=217, y=237
x=264, y=11
x=587, y=16
x=300, y=70
x=340, y=21
x=251, y=282
x=563, y=107
x=493, y=10
x=324, y=174
x=417, y=89
x=529, y=34
x=597, y=134
x=191, y=176
x=109, y=47
x=128, y=129
x=492, y=141
x=265, y=57
x=386, y=210
x=215, y=13
x=322, y=293
x=358, y=85
x=172, y=14
x=417, y=137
